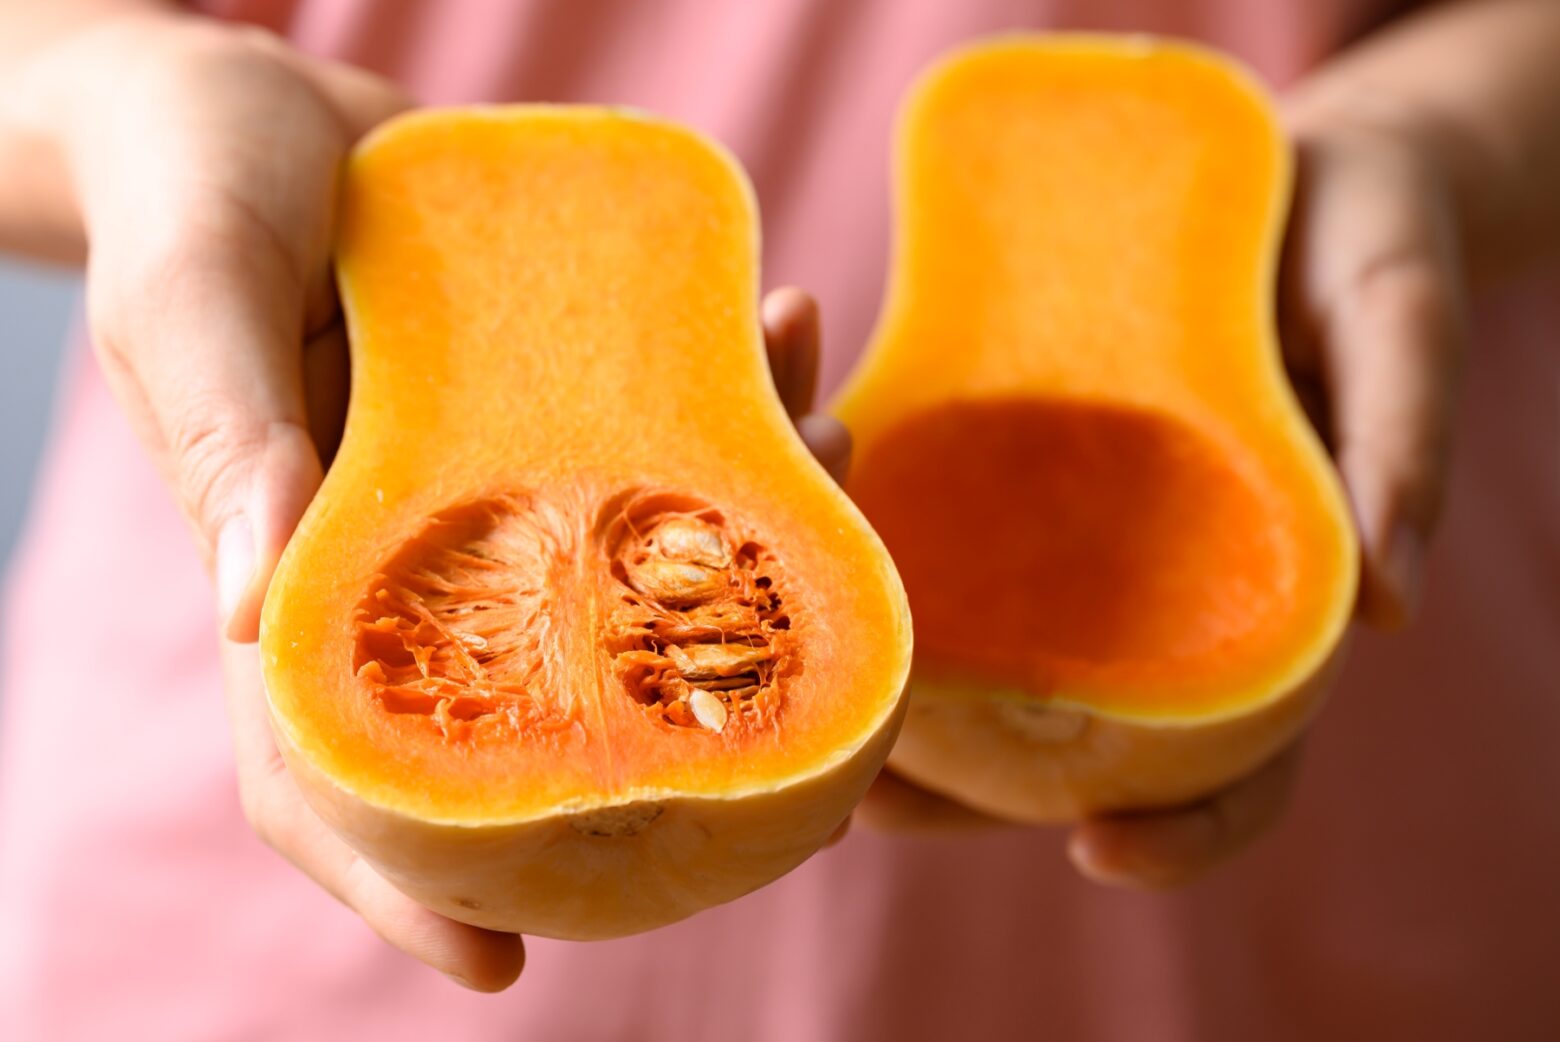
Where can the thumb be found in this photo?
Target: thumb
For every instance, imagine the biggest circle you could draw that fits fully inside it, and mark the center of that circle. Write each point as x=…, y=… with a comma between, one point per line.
x=791, y=340
x=792, y=332
x=209, y=205
x=206, y=356
x=1375, y=267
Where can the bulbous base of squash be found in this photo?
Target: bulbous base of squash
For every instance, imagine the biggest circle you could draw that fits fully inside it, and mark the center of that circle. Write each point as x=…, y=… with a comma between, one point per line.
x=601, y=872
x=1036, y=761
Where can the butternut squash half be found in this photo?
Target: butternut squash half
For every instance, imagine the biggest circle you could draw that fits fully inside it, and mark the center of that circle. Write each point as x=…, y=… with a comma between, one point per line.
x=1129, y=557
x=577, y=639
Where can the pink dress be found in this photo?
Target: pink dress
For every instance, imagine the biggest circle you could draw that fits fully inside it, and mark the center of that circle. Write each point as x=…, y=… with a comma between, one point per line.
x=1410, y=894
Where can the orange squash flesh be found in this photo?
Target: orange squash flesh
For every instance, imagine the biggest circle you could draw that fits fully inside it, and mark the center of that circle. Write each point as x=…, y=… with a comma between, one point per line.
x=1129, y=557
x=577, y=638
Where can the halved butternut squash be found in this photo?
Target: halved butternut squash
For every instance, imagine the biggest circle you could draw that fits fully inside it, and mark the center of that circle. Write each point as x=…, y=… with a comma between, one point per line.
x=1130, y=559
x=577, y=639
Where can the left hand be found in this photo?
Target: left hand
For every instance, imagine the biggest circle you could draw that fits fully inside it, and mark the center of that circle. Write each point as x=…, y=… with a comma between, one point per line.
x=1372, y=315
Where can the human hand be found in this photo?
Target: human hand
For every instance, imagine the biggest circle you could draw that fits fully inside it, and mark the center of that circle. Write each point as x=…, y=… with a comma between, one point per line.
x=1372, y=305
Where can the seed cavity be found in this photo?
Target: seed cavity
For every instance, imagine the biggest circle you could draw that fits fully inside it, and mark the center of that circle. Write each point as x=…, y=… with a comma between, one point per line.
x=452, y=627
x=481, y=621
x=700, y=635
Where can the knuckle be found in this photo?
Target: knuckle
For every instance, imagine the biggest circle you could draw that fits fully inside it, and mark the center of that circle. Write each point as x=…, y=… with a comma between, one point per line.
x=1403, y=282
x=1411, y=299
x=208, y=445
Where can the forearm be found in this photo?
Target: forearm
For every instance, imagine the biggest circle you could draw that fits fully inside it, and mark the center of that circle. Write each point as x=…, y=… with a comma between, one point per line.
x=39, y=217
x=1478, y=81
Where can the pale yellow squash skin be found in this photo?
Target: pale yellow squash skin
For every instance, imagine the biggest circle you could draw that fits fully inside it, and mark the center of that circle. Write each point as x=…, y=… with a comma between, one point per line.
x=559, y=306
x=1012, y=757
x=609, y=872
x=1086, y=242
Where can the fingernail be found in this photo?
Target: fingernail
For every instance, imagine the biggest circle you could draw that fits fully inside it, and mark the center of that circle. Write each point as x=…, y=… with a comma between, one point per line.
x=464, y=982
x=1403, y=567
x=1150, y=850
x=1094, y=864
x=235, y=564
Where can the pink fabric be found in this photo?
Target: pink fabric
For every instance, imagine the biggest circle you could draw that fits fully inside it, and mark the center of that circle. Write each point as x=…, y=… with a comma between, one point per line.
x=1409, y=894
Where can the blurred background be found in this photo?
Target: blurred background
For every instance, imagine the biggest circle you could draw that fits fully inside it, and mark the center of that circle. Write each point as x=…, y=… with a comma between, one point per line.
x=36, y=307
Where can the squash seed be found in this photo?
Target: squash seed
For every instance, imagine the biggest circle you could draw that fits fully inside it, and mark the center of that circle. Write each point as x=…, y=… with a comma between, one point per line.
x=690, y=539
x=708, y=710
x=676, y=583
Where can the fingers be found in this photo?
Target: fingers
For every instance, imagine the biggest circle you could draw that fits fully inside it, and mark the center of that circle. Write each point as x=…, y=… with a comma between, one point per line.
x=484, y=960
x=792, y=337
x=1172, y=847
x=839, y=833
x=1372, y=271
x=893, y=804
x=828, y=440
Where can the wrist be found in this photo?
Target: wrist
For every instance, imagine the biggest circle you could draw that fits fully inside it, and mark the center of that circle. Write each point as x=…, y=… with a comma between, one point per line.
x=69, y=73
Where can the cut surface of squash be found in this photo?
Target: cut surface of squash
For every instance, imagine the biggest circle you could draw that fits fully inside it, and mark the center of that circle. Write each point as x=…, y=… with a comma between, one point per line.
x=577, y=638
x=1075, y=434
